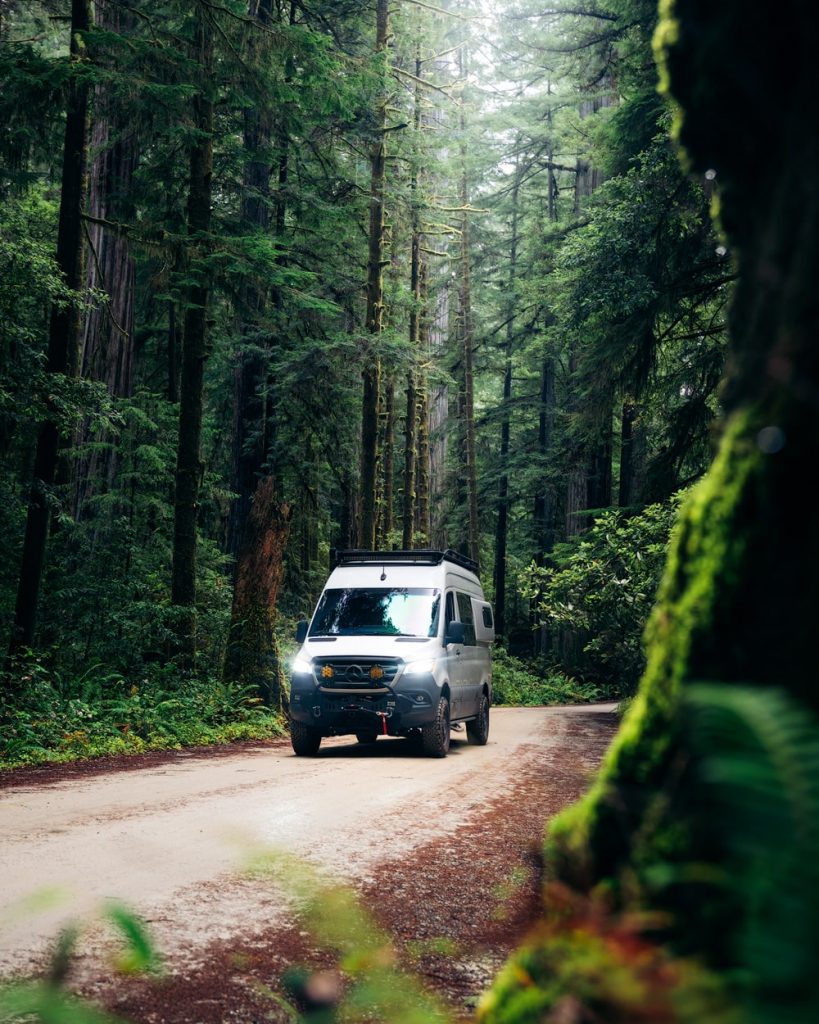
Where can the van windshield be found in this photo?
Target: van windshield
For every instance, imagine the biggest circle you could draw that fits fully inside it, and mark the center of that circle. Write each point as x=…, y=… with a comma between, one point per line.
x=377, y=611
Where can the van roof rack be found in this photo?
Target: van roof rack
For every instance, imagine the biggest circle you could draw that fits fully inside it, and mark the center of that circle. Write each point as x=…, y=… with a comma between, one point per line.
x=422, y=556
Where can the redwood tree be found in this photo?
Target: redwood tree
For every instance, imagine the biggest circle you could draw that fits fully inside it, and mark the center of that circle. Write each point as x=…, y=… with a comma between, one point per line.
x=194, y=345
x=64, y=327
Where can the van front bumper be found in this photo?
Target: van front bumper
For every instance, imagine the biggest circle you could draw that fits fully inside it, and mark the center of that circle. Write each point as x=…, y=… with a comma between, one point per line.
x=335, y=711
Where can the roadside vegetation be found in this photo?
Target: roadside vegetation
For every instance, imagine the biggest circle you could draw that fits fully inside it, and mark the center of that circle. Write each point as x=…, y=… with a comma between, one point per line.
x=53, y=720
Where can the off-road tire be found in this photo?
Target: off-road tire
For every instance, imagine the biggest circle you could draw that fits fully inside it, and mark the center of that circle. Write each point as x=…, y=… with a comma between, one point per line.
x=305, y=739
x=367, y=736
x=477, y=731
x=435, y=735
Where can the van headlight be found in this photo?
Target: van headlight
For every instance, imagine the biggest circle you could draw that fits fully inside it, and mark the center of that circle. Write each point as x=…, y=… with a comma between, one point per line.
x=302, y=666
x=420, y=668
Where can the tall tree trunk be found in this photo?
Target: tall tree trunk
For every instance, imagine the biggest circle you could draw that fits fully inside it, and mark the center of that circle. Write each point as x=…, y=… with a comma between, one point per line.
x=375, y=300
x=194, y=350
x=438, y=421
x=577, y=475
x=423, y=470
x=387, y=517
x=598, y=494
x=63, y=333
x=252, y=657
x=468, y=342
x=249, y=433
x=411, y=432
x=107, y=342
x=501, y=528
x=411, y=418
x=173, y=354
x=544, y=510
x=625, y=495
x=545, y=504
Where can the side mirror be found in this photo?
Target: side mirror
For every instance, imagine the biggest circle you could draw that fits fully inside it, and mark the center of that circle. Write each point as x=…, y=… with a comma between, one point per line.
x=301, y=631
x=455, y=633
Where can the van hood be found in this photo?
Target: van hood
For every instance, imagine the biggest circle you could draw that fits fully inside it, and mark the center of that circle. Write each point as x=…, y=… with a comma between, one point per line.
x=406, y=648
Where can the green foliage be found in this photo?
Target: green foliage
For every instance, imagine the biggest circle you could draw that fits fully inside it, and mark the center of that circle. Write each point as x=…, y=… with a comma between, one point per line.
x=33, y=1001
x=48, y=1001
x=585, y=963
x=757, y=767
x=138, y=955
x=52, y=719
x=371, y=983
x=524, y=683
x=602, y=586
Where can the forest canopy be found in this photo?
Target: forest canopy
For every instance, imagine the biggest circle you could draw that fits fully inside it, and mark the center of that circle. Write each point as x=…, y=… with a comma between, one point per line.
x=426, y=275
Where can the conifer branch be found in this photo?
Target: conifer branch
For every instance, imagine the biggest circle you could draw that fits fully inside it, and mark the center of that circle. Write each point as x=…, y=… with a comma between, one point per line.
x=443, y=89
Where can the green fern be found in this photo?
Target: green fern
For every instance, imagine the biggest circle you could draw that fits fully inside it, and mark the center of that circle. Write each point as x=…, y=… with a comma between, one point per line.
x=758, y=754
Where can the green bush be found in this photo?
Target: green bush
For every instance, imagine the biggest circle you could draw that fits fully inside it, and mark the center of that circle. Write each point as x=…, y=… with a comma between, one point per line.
x=49, y=718
x=530, y=684
x=599, y=592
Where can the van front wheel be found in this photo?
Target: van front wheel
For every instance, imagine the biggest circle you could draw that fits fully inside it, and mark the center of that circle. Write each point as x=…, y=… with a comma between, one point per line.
x=305, y=739
x=435, y=735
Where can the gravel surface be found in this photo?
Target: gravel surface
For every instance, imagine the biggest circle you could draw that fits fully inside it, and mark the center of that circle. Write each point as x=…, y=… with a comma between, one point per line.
x=436, y=850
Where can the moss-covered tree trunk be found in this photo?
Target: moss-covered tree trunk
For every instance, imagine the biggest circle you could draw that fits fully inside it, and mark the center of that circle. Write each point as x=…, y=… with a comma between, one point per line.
x=252, y=655
x=740, y=594
x=739, y=598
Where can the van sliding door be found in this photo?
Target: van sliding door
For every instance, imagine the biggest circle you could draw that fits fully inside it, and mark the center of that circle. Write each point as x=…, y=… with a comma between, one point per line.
x=472, y=659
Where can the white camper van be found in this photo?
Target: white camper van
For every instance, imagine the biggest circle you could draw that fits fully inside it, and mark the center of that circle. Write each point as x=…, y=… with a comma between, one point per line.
x=399, y=645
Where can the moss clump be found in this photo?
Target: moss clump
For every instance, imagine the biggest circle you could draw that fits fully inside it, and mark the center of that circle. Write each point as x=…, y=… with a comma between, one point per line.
x=594, y=839
x=586, y=963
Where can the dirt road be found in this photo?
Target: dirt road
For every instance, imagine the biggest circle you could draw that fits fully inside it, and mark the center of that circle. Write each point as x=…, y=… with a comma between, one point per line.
x=171, y=840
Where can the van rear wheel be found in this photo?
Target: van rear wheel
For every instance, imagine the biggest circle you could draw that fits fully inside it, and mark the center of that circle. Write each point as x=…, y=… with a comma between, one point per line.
x=304, y=739
x=367, y=735
x=435, y=735
x=477, y=731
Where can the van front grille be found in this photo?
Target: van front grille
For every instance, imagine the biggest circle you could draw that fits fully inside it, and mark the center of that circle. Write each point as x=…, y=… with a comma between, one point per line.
x=356, y=673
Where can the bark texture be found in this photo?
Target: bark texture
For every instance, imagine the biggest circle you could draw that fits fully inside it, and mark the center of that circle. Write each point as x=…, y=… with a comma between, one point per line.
x=252, y=655
x=107, y=340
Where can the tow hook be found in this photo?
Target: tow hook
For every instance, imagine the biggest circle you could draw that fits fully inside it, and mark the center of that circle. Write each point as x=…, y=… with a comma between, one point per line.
x=383, y=716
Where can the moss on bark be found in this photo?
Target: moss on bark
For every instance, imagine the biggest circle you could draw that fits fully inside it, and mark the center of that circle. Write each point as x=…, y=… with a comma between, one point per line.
x=741, y=587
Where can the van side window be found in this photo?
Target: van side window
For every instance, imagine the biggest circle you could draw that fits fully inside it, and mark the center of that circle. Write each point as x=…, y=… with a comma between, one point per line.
x=465, y=615
x=450, y=611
